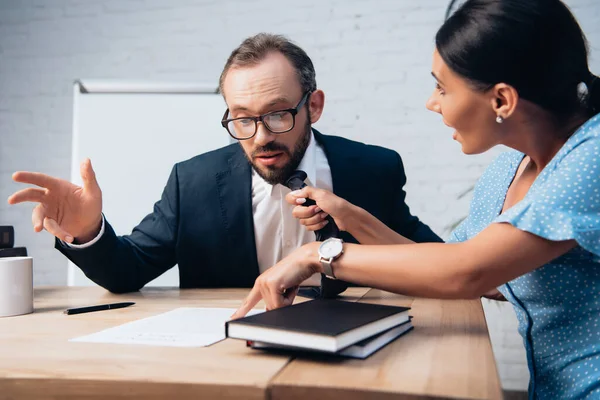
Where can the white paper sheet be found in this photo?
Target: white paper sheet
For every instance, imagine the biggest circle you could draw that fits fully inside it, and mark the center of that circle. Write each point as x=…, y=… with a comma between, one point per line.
x=182, y=327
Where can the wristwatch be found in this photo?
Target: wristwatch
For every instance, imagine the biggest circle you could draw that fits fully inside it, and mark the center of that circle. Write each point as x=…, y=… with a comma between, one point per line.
x=329, y=250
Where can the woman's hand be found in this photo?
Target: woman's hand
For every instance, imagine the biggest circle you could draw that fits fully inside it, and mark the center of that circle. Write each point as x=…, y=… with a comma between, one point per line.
x=278, y=285
x=313, y=217
x=363, y=226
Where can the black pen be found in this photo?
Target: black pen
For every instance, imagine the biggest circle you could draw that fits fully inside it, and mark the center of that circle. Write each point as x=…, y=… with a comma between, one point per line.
x=97, y=308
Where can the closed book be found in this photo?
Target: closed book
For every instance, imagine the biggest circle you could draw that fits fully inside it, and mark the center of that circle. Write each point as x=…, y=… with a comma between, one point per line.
x=325, y=325
x=362, y=349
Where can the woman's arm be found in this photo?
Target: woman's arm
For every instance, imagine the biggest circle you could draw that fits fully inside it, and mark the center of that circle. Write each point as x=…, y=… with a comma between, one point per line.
x=369, y=230
x=497, y=255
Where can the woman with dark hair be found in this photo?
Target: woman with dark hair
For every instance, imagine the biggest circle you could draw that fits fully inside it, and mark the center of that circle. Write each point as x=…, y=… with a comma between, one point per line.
x=511, y=72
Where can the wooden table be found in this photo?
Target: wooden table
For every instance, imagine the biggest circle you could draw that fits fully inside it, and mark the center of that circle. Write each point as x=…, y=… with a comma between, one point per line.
x=448, y=355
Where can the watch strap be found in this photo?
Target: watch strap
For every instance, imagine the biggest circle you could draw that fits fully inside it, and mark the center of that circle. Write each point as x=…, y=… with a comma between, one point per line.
x=327, y=269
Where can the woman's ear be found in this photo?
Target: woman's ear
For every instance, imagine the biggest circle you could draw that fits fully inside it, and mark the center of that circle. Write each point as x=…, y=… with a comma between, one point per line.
x=504, y=99
x=316, y=102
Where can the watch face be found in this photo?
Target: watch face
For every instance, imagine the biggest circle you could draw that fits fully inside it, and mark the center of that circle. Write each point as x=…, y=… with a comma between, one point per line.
x=330, y=248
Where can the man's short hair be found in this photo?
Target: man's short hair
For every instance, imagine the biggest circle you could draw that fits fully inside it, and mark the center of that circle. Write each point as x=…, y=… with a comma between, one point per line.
x=255, y=48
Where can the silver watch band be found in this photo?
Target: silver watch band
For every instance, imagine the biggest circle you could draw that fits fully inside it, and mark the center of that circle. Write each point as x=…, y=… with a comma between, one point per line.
x=327, y=269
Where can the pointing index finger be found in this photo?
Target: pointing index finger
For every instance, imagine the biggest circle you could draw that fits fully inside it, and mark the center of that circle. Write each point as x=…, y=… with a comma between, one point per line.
x=35, y=178
x=253, y=298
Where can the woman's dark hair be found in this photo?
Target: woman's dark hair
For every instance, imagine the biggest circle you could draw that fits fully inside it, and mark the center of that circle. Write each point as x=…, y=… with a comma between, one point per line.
x=536, y=46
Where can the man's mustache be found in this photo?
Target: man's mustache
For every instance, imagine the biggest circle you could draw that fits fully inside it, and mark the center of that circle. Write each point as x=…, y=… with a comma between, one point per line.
x=269, y=148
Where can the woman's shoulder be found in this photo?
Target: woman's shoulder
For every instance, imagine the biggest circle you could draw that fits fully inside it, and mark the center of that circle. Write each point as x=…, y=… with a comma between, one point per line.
x=578, y=156
x=590, y=128
x=587, y=135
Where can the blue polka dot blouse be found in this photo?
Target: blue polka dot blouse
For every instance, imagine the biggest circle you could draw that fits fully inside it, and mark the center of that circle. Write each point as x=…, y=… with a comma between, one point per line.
x=557, y=305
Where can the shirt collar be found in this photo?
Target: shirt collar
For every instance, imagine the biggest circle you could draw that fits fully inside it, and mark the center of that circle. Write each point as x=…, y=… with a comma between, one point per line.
x=309, y=161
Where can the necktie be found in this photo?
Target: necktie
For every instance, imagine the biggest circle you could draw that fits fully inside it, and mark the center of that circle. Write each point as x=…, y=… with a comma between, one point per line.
x=330, y=288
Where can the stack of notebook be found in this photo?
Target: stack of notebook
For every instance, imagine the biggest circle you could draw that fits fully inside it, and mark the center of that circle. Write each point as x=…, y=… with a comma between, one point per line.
x=328, y=326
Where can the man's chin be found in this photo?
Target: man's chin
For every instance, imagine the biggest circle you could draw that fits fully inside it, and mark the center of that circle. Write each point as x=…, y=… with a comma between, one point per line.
x=271, y=174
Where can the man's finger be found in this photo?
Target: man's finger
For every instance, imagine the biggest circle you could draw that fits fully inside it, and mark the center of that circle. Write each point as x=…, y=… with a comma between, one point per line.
x=35, y=178
x=54, y=228
x=88, y=176
x=249, y=303
x=37, y=217
x=29, y=194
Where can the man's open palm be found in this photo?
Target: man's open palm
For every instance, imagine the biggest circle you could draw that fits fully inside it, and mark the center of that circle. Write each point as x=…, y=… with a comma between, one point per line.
x=65, y=210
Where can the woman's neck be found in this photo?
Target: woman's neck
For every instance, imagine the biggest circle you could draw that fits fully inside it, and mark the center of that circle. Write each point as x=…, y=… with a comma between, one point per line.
x=539, y=136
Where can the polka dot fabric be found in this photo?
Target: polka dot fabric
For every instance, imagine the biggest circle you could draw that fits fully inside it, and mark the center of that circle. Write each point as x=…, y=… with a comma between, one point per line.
x=558, y=304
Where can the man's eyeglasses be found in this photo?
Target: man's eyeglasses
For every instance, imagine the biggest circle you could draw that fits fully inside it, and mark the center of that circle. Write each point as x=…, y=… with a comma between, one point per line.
x=276, y=121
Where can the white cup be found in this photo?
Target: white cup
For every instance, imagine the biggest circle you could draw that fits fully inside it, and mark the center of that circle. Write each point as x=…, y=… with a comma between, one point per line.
x=16, y=286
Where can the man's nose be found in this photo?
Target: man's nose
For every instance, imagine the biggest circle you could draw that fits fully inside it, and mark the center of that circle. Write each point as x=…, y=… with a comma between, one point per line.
x=263, y=135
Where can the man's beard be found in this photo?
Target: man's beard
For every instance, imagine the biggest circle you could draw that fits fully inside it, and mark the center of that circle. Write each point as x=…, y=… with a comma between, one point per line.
x=274, y=175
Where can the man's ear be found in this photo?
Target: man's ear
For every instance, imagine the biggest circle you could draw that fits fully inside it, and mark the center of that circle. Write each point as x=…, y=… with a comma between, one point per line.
x=504, y=99
x=316, y=102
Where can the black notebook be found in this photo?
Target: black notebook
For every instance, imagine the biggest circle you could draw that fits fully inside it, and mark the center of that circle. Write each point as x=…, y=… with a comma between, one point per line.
x=325, y=325
x=362, y=349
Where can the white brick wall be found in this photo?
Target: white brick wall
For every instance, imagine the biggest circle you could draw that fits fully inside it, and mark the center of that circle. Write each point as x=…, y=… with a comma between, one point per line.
x=372, y=59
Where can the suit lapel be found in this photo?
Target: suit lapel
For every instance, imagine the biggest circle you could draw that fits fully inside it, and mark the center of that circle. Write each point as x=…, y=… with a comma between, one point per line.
x=235, y=196
x=344, y=165
x=234, y=185
x=346, y=172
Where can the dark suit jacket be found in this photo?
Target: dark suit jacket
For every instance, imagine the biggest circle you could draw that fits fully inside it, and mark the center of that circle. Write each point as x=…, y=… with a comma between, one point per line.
x=204, y=222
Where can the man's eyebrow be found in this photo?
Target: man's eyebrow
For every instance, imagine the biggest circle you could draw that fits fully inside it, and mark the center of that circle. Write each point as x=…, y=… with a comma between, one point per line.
x=278, y=100
x=238, y=108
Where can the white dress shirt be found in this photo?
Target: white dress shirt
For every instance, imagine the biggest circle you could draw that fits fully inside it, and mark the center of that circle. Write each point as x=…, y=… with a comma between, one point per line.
x=276, y=231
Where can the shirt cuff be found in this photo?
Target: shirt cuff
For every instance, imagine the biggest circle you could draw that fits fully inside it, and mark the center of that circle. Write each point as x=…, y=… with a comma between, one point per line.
x=91, y=242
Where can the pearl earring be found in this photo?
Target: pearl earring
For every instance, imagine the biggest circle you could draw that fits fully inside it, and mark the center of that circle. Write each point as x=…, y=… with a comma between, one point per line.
x=499, y=119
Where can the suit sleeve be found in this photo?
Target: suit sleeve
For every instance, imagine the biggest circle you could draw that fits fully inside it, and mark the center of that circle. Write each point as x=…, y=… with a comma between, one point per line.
x=126, y=263
x=403, y=221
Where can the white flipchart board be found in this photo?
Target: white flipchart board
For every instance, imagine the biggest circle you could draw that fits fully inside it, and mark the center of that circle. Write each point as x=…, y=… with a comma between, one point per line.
x=134, y=133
